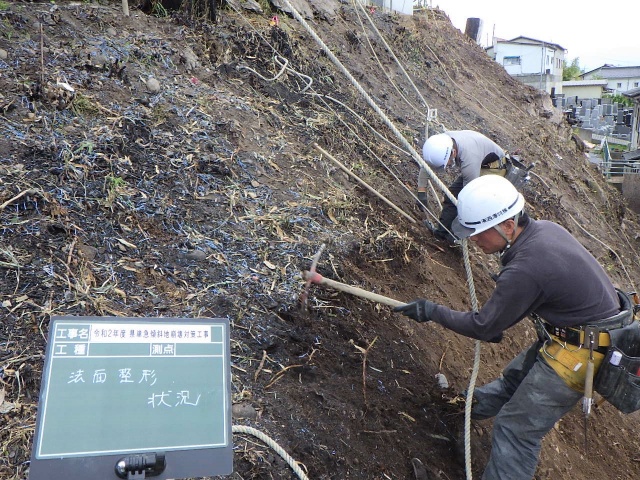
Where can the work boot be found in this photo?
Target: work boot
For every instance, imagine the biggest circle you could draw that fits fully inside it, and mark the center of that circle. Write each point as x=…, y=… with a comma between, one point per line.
x=430, y=226
x=442, y=234
x=447, y=237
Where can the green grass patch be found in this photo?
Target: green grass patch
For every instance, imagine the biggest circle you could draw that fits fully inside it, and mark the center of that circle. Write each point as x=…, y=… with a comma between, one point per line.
x=83, y=105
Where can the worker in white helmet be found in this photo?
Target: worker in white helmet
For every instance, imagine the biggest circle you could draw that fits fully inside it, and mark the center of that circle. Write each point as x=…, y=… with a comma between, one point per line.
x=548, y=275
x=473, y=152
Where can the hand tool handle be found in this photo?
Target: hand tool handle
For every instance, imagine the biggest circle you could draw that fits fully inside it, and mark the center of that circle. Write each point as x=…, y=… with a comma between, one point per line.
x=588, y=389
x=315, y=277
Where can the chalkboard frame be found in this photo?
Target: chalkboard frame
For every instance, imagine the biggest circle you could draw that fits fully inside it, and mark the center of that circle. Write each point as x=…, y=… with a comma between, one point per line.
x=180, y=463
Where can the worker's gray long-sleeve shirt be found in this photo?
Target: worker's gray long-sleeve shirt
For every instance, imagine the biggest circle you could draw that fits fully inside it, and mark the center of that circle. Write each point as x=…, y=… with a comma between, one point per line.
x=546, y=271
x=473, y=147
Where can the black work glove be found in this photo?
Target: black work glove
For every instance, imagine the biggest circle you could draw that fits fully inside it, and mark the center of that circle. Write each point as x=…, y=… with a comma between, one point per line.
x=422, y=200
x=419, y=310
x=490, y=158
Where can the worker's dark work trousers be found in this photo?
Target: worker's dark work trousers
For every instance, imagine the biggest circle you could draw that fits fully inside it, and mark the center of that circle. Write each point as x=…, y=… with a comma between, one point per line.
x=527, y=400
x=449, y=210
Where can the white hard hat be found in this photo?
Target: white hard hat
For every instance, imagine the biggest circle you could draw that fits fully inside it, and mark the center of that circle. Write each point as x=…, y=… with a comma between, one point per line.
x=484, y=203
x=437, y=150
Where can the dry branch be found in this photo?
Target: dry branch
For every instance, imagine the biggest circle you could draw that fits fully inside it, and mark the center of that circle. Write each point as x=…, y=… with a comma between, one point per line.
x=364, y=184
x=31, y=191
x=364, y=352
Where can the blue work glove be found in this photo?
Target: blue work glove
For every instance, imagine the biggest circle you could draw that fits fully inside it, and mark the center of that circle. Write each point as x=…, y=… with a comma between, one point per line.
x=419, y=310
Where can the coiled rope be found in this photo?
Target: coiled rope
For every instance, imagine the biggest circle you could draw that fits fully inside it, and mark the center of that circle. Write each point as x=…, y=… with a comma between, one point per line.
x=295, y=466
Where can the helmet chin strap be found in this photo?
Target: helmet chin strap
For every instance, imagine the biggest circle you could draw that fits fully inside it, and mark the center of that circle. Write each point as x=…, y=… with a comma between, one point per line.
x=498, y=229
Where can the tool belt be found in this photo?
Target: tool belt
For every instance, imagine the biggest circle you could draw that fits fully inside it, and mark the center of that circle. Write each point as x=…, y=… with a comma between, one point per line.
x=618, y=379
x=570, y=363
x=502, y=171
x=496, y=167
x=576, y=336
x=566, y=349
x=498, y=164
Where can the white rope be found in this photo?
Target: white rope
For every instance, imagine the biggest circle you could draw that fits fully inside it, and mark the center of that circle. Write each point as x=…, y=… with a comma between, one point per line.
x=355, y=4
x=442, y=187
x=359, y=117
x=393, y=55
x=323, y=98
x=270, y=442
x=283, y=66
x=467, y=264
x=476, y=365
x=415, y=155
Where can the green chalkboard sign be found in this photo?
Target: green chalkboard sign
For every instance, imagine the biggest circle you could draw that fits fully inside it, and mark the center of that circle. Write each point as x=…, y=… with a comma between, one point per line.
x=117, y=388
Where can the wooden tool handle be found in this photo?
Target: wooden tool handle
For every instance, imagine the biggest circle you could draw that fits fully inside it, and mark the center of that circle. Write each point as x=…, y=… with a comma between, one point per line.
x=315, y=277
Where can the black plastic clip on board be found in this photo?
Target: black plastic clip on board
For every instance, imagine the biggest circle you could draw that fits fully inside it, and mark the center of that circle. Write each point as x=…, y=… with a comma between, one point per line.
x=133, y=467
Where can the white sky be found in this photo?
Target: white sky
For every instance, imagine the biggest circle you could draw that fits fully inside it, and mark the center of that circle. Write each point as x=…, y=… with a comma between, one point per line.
x=595, y=32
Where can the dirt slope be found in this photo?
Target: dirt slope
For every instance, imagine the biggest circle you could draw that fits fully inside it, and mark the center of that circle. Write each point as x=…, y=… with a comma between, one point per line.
x=199, y=194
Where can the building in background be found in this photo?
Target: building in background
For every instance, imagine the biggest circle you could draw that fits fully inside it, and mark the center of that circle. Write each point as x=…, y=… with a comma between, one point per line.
x=584, y=88
x=533, y=62
x=619, y=79
x=634, y=94
x=401, y=6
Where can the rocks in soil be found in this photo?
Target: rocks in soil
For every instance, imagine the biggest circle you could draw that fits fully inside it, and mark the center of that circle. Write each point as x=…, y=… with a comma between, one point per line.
x=153, y=85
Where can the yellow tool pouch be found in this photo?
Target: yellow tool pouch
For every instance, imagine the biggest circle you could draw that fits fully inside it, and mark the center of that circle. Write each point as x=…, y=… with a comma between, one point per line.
x=569, y=361
x=497, y=167
x=493, y=171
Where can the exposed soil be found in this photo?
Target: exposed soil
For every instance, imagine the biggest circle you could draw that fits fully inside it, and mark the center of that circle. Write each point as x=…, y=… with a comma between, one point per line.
x=202, y=196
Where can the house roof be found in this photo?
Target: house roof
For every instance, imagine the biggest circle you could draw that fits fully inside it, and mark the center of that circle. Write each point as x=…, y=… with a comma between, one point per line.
x=584, y=83
x=531, y=41
x=620, y=72
x=596, y=69
x=609, y=71
x=633, y=93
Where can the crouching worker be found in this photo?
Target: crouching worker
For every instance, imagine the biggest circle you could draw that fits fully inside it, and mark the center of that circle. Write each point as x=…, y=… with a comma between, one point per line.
x=548, y=274
x=476, y=155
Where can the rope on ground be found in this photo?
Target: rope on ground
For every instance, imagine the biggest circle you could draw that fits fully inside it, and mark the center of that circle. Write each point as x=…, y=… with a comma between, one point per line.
x=468, y=94
x=284, y=66
x=282, y=70
x=373, y=154
x=272, y=443
x=363, y=183
x=358, y=4
x=323, y=98
x=359, y=117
